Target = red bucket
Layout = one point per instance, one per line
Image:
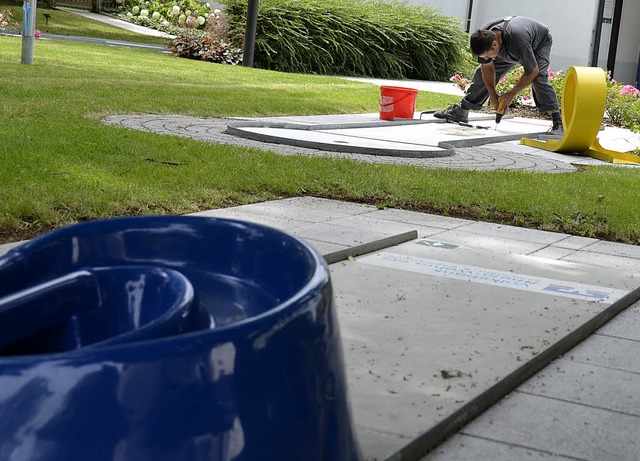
(397, 102)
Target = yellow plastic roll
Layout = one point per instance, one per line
(584, 96)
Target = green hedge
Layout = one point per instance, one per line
(364, 38)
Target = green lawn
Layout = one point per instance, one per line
(61, 165)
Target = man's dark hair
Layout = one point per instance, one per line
(481, 41)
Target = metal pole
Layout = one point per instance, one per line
(250, 33)
(469, 16)
(615, 32)
(595, 51)
(28, 30)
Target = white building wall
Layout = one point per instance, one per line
(628, 43)
(572, 24)
(458, 8)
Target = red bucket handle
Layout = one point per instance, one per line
(394, 101)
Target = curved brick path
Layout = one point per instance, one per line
(502, 156)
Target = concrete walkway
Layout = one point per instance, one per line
(498, 342)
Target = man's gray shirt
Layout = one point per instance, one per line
(521, 37)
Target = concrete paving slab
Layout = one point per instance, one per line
(421, 219)
(427, 138)
(626, 325)
(622, 263)
(469, 239)
(609, 352)
(552, 252)
(575, 242)
(616, 249)
(349, 236)
(407, 347)
(468, 158)
(596, 386)
(370, 221)
(342, 142)
(408, 327)
(521, 234)
(563, 428)
(469, 448)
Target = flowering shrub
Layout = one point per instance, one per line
(623, 104)
(629, 90)
(213, 45)
(6, 21)
(460, 82)
(193, 45)
(508, 81)
(170, 17)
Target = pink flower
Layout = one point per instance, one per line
(551, 73)
(629, 90)
(37, 33)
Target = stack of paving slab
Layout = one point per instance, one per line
(423, 136)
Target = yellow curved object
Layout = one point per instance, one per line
(584, 96)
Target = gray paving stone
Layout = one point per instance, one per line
(336, 207)
(552, 252)
(8, 246)
(380, 442)
(329, 232)
(245, 214)
(213, 130)
(595, 386)
(489, 242)
(610, 352)
(616, 249)
(519, 234)
(621, 263)
(574, 242)
(562, 428)
(421, 219)
(625, 325)
(468, 448)
(369, 221)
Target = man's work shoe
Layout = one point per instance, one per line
(454, 113)
(556, 130)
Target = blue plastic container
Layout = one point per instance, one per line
(170, 338)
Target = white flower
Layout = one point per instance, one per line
(144, 13)
(135, 10)
(207, 6)
(187, 13)
(164, 23)
(176, 10)
(217, 11)
(182, 19)
(155, 15)
(129, 15)
(201, 20)
(119, 2)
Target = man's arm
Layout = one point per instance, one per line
(489, 79)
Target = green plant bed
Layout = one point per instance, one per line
(353, 37)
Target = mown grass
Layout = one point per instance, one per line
(61, 165)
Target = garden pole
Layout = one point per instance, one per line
(250, 33)
(28, 31)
